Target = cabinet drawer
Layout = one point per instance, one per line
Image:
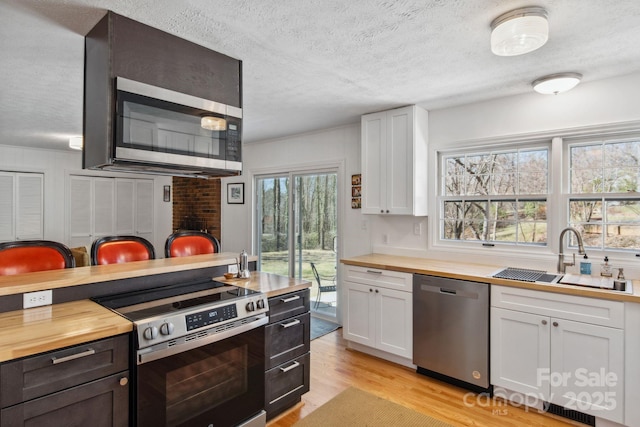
(101, 403)
(581, 309)
(287, 339)
(39, 375)
(288, 305)
(379, 277)
(285, 384)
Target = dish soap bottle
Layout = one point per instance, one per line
(605, 269)
(585, 265)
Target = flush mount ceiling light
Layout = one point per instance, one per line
(519, 31)
(556, 83)
(213, 123)
(75, 142)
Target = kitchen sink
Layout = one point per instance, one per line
(542, 277)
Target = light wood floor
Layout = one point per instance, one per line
(334, 368)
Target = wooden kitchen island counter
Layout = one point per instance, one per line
(40, 329)
(54, 279)
(269, 284)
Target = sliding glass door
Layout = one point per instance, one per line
(297, 229)
(272, 194)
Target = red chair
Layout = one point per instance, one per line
(121, 249)
(185, 243)
(33, 255)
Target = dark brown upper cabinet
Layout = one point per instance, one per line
(120, 50)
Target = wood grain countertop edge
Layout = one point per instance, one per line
(451, 269)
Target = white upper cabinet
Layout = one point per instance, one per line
(394, 162)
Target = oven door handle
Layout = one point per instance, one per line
(293, 298)
(162, 350)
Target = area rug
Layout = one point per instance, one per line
(320, 327)
(354, 407)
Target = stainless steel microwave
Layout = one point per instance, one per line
(161, 131)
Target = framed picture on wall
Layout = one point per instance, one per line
(235, 193)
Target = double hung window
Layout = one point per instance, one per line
(495, 196)
(604, 203)
(506, 196)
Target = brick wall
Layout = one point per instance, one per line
(196, 204)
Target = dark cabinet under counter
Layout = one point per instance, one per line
(87, 384)
(287, 351)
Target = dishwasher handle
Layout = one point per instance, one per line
(449, 292)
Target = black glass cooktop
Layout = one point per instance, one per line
(138, 305)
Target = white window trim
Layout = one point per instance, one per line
(558, 190)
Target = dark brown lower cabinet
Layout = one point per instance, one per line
(83, 385)
(101, 403)
(287, 356)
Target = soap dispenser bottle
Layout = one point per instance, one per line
(605, 269)
(585, 265)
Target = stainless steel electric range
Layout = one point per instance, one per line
(198, 354)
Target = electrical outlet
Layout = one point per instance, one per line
(36, 299)
(417, 228)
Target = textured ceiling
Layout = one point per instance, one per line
(310, 64)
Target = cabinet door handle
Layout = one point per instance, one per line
(387, 210)
(544, 322)
(555, 323)
(381, 211)
(124, 381)
(370, 290)
(293, 298)
(374, 272)
(294, 365)
(85, 353)
(290, 324)
(376, 291)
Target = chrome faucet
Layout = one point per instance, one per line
(561, 263)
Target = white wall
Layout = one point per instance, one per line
(56, 165)
(337, 147)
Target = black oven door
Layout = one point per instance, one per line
(215, 385)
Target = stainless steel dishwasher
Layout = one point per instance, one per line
(451, 330)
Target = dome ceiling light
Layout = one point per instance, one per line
(554, 84)
(519, 31)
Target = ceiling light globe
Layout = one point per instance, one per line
(556, 83)
(519, 31)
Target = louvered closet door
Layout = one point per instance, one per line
(7, 204)
(144, 209)
(80, 212)
(104, 207)
(125, 203)
(29, 206)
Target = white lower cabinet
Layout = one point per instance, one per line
(377, 313)
(562, 349)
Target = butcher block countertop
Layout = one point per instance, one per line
(41, 329)
(54, 279)
(480, 273)
(268, 283)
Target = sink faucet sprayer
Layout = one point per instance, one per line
(561, 264)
